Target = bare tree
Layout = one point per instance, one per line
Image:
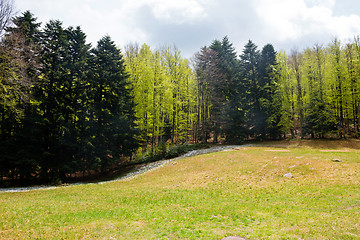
(6, 13)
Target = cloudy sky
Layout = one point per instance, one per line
(192, 24)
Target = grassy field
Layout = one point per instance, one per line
(236, 192)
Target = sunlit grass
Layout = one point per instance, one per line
(239, 192)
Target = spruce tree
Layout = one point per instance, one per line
(20, 69)
(112, 132)
(267, 89)
(228, 89)
(249, 88)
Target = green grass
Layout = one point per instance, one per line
(241, 192)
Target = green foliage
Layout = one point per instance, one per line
(164, 94)
(74, 108)
(167, 152)
(218, 92)
(280, 119)
(17, 77)
(111, 105)
(77, 112)
(316, 92)
(209, 99)
(268, 95)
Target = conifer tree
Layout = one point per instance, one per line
(112, 130)
(267, 63)
(250, 90)
(20, 68)
(231, 117)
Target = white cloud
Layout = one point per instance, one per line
(282, 17)
(323, 3)
(191, 24)
(292, 20)
(120, 19)
(178, 11)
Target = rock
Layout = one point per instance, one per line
(288, 175)
(234, 238)
(336, 160)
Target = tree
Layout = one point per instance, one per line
(112, 108)
(147, 78)
(20, 68)
(267, 89)
(6, 13)
(163, 92)
(295, 63)
(61, 101)
(319, 119)
(338, 85)
(250, 89)
(210, 99)
(52, 97)
(74, 101)
(179, 76)
(352, 52)
(231, 118)
(281, 118)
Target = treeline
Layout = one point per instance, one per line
(235, 94)
(164, 90)
(318, 91)
(67, 107)
(269, 95)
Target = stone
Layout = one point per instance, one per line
(288, 175)
(336, 160)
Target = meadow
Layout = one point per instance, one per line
(278, 190)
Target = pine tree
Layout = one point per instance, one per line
(19, 54)
(231, 117)
(267, 88)
(210, 98)
(75, 100)
(112, 109)
(250, 90)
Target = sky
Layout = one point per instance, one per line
(193, 24)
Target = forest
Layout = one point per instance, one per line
(68, 107)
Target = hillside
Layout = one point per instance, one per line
(292, 190)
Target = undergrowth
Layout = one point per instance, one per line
(166, 152)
